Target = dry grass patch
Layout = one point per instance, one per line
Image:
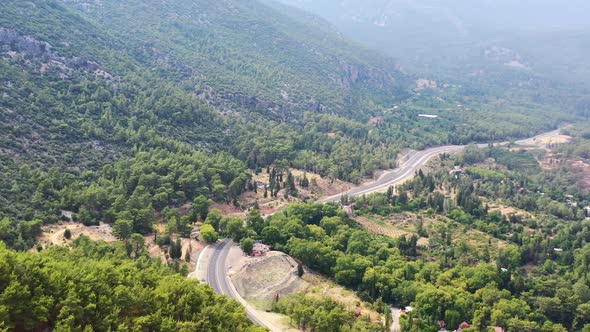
(320, 287)
(554, 140)
(383, 229)
(54, 234)
(319, 187)
(509, 210)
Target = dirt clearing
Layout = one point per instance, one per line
(509, 210)
(318, 187)
(555, 140)
(260, 279)
(387, 230)
(54, 234)
(583, 168)
(321, 287)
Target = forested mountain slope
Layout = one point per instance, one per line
(73, 101)
(251, 54)
(115, 110)
(143, 113)
(99, 287)
(466, 40)
(76, 97)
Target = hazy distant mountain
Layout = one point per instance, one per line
(434, 36)
(459, 14)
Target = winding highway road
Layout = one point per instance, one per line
(216, 275)
(414, 161)
(406, 170)
(218, 279)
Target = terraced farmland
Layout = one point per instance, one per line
(376, 228)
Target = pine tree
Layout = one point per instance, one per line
(175, 250)
(304, 181)
(390, 192)
(273, 175)
(290, 188)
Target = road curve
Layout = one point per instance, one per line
(218, 280)
(414, 162)
(395, 176)
(217, 276)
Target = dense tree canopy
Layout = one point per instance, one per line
(98, 287)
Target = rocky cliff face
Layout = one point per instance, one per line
(232, 102)
(33, 52)
(10, 40)
(379, 78)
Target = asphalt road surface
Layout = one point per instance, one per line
(405, 171)
(414, 162)
(216, 270)
(217, 275)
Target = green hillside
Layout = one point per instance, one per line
(92, 90)
(247, 52)
(100, 287)
(151, 123)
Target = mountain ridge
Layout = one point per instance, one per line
(441, 38)
(306, 66)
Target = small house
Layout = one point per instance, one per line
(463, 326)
(260, 184)
(457, 171)
(259, 249)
